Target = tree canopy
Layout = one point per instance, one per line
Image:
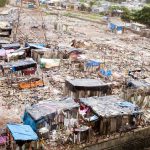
(3, 3)
(143, 15)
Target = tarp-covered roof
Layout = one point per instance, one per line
(138, 84)
(4, 52)
(92, 63)
(87, 84)
(11, 46)
(20, 64)
(37, 46)
(72, 49)
(108, 106)
(45, 108)
(4, 24)
(22, 132)
(42, 50)
(4, 42)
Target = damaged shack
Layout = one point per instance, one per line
(51, 114)
(37, 54)
(5, 29)
(138, 91)
(21, 65)
(10, 46)
(57, 121)
(109, 114)
(16, 55)
(93, 65)
(78, 88)
(20, 136)
(78, 120)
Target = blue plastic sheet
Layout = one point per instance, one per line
(93, 118)
(38, 46)
(22, 132)
(129, 105)
(27, 120)
(119, 28)
(107, 73)
(125, 104)
(112, 26)
(92, 63)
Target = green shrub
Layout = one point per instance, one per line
(3, 3)
(143, 15)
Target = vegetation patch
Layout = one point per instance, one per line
(3, 3)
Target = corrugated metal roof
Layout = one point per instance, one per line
(86, 82)
(45, 108)
(108, 106)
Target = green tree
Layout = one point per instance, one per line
(83, 7)
(148, 1)
(143, 15)
(127, 14)
(3, 3)
(92, 3)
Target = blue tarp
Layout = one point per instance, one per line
(42, 1)
(119, 28)
(22, 132)
(37, 46)
(128, 105)
(107, 73)
(27, 120)
(22, 64)
(112, 26)
(92, 63)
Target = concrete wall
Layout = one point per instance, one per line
(138, 140)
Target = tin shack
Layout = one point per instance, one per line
(109, 114)
(86, 87)
(51, 114)
(5, 29)
(138, 92)
(18, 66)
(20, 136)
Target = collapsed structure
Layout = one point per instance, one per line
(113, 113)
(138, 92)
(20, 65)
(5, 29)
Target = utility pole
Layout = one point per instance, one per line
(43, 25)
(18, 20)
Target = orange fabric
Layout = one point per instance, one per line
(27, 85)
